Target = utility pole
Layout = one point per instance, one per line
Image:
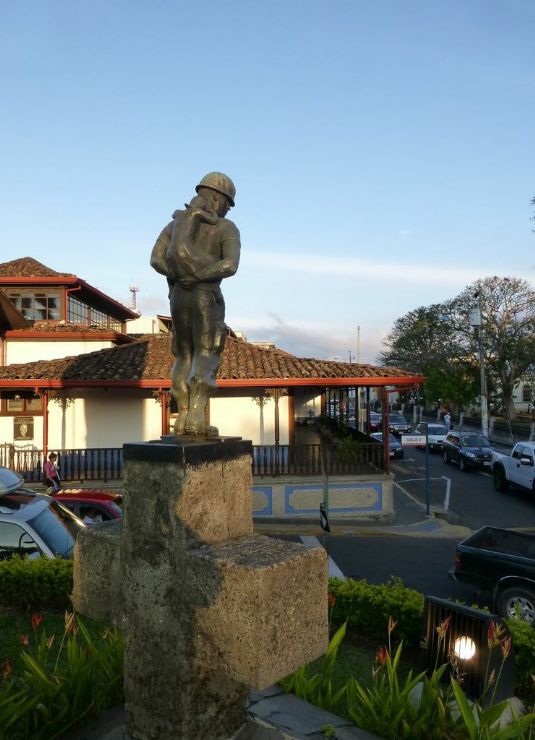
(358, 344)
(476, 320)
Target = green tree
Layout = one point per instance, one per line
(508, 323)
(425, 341)
(439, 342)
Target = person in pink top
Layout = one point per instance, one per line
(50, 473)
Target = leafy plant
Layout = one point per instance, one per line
(415, 707)
(60, 688)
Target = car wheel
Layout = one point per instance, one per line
(500, 481)
(462, 465)
(517, 601)
(445, 457)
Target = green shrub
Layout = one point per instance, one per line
(523, 636)
(35, 584)
(367, 607)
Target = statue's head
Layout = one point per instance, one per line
(219, 183)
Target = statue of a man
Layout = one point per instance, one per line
(195, 252)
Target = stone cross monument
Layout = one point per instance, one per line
(208, 608)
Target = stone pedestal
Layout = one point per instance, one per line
(208, 609)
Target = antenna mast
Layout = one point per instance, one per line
(134, 290)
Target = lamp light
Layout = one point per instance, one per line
(464, 648)
(465, 638)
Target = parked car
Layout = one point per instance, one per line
(82, 501)
(396, 449)
(469, 449)
(399, 425)
(517, 468)
(33, 524)
(436, 434)
(376, 421)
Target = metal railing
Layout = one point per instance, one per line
(99, 463)
(106, 464)
(318, 459)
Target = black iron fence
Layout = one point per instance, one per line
(318, 459)
(99, 463)
(106, 464)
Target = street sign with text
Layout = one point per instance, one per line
(413, 440)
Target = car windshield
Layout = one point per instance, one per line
(58, 527)
(475, 440)
(436, 429)
(397, 419)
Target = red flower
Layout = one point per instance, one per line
(382, 655)
(331, 600)
(6, 669)
(36, 621)
(24, 640)
(494, 633)
(443, 627)
(505, 647)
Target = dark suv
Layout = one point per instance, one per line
(399, 425)
(469, 449)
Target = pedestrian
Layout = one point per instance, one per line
(50, 473)
(447, 421)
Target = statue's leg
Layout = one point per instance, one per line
(208, 342)
(183, 352)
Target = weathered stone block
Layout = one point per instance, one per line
(97, 578)
(210, 491)
(269, 615)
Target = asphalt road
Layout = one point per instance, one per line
(422, 562)
(469, 497)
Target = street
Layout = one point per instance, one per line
(423, 562)
(470, 497)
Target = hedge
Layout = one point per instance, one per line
(36, 584)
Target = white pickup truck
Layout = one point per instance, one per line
(517, 468)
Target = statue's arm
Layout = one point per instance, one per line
(230, 257)
(158, 258)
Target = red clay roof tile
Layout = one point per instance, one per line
(150, 359)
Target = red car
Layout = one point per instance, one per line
(97, 503)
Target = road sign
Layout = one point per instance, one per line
(413, 440)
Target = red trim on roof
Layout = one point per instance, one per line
(262, 383)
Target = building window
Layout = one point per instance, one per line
(527, 394)
(80, 313)
(77, 312)
(37, 306)
(17, 405)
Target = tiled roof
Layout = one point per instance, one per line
(150, 359)
(25, 267)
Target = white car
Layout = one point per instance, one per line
(436, 434)
(33, 525)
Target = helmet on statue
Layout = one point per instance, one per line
(220, 183)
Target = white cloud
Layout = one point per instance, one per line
(352, 268)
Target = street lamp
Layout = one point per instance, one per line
(476, 320)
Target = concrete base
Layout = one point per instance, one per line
(207, 608)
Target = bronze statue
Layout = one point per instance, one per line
(195, 251)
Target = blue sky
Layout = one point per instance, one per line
(383, 152)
